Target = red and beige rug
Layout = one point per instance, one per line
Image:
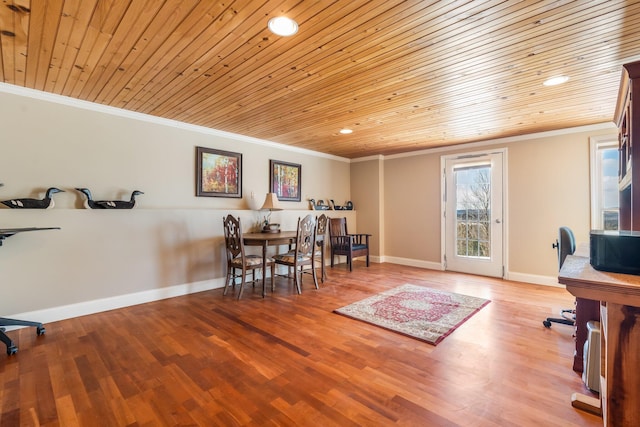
(423, 313)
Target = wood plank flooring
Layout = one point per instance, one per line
(209, 360)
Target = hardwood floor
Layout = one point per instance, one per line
(208, 360)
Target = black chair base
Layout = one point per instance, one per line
(11, 347)
(547, 323)
(561, 320)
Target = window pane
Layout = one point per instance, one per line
(473, 198)
(607, 165)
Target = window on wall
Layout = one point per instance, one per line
(604, 183)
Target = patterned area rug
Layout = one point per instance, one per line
(419, 312)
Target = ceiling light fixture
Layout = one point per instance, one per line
(557, 80)
(346, 131)
(283, 26)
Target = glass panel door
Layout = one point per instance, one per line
(473, 214)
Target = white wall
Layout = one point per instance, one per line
(169, 244)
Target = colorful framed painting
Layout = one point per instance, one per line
(285, 180)
(218, 173)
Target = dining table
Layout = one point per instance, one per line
(266, 239)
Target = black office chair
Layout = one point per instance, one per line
(11, 346)
(4, 321)
(566, 245)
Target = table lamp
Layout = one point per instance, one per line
(271, 203)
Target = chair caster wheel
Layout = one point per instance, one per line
(546, 323)
(12, 349)
(40, 330)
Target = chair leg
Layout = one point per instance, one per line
(226, 283)
(322, 274)
(273, 275)
(244, 278)
(315, 278)
(350, 262)
(263, 278)
(11, 347)
(297, 281)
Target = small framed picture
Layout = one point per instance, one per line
(285, 180)
(218, 173)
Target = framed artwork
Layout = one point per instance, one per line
(285, 180)
(218, 173)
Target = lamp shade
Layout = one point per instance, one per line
(271, 203)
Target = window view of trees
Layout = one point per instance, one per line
(473, 186)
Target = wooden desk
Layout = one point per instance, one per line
(265, 240)
(619, 296)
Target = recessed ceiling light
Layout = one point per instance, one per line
(346, 131)
(557, 80)
(283, 26)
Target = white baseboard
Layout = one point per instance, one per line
(412, 262)
(55, 314)
(516, 277)
(534, 278)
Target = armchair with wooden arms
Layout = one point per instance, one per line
(349, 245)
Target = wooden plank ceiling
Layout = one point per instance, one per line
(404, 75)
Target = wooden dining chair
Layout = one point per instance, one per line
(303, 253)
(349, 245)
(240, 264)
(322, 223)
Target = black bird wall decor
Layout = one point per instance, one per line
(27, 203)
(120, 204)
(348, 206)
(89, 203)
(319, 205)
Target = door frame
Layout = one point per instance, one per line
(505, 203)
